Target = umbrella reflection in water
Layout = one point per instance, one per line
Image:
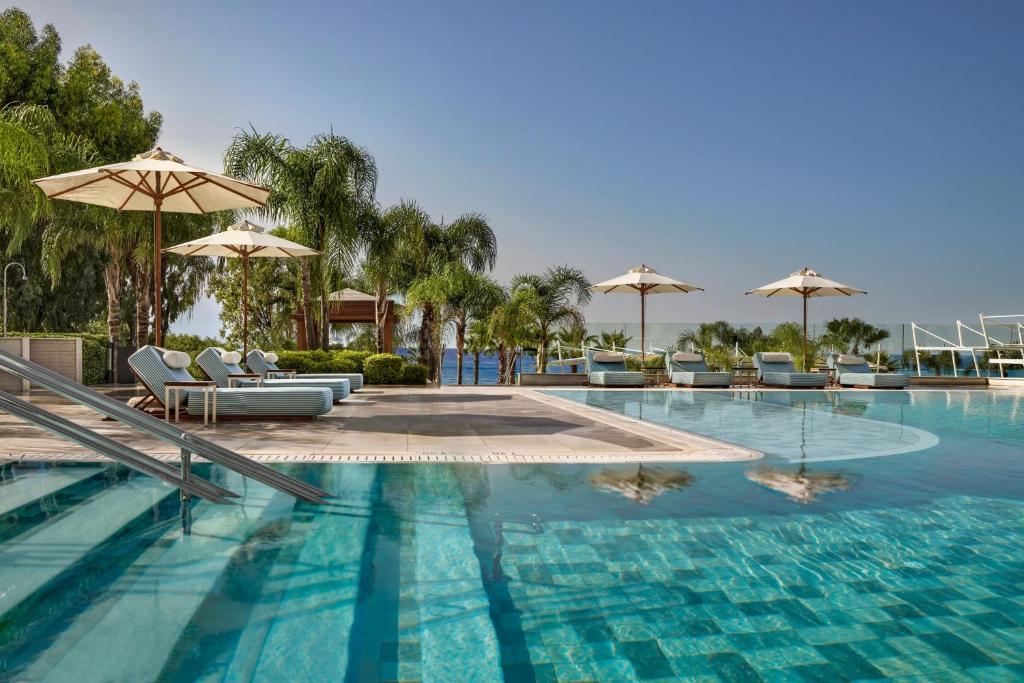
(801, 486)
(641, 486)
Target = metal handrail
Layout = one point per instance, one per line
(99, 443)
(116, 410)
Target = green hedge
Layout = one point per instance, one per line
(414, 373)
(310, 362)
(383, 368)
(94, 352)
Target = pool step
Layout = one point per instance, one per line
(29, 562)
(144, 618)
(320, 584)
(32, 484)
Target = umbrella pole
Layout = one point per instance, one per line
(157, 270)
(805, 334)
(643, 324)
(245, 304)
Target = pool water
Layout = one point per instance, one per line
(904, 561)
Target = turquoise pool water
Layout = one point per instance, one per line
(815, 563)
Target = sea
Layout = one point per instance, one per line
(488, 368)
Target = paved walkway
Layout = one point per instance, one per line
(453, 424)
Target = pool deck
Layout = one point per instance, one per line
(452, 424)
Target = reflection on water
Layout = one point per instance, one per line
(800, 486)
(642, 486)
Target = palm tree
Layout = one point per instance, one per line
(614, 340)
(473, 298)
(321, 189)
(849, 334)
(561, 292)
(478, 341)
(390, 240)
(576, 338)
(469, 242)
(511, 325)
(789, 337)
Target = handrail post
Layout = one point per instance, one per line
(186, 498)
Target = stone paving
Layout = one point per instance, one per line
(453, 424)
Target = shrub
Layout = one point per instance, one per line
(383, 368)
(415, 373)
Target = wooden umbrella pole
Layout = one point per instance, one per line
(643, 325)
(157, 267)
(805, 369)
(245, 304)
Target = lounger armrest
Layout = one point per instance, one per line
(195, 383)
(290, 371)
(244, 375)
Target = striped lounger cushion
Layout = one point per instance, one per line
(617, 379)
(354, 379)
(339, 387)
(212, 362)
(279, 402)
(264, 364)
(702, 379)
(794, 379)
(871, 379)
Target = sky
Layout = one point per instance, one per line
(724, 144)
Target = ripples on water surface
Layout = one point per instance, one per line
(818, 562)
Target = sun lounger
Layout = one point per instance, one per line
(690, 370)
(222, 367)
(265, 364)
(608, 369)
(777, 370)
(156, 368)
(854, 371)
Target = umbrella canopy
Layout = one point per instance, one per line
(243, 240)
(805, 283)
(155, 181)
(641, 486)
(644, 281)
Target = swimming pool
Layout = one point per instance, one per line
(797, 567)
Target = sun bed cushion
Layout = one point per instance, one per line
(689, 369)
(618, 378)
(854, 371)
(212, 363)
(782, 372)
(261, 364)
(176, 359)
(149, 365)
(702, 379)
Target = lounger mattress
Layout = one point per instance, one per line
(871, 379)
(279, 402)
(794, 379)
(702, 379)
(617, 379)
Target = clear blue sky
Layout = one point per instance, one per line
(726, 144)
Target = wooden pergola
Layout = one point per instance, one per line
(350, 306)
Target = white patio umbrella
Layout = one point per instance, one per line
(805, 283)
(154, 181)
(243, 240)
(644, 281)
